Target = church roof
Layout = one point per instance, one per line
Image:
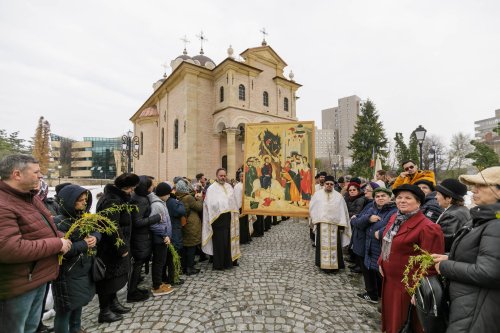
(149, 112)
(202, 59)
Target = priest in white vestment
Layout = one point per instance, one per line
(329, 215)
(221, 226)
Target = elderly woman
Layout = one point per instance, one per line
(473, 265)
(406, 228)
(375, 220)
(450, 196)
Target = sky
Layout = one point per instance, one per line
(87, 66)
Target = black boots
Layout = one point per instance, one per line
(116, 307)
(108, 316)
(192, 271)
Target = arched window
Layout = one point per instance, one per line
(224, 162)
(241, 92)
(162, 140)
(285, 104)
(221, 94)
(265, 98)
(142, 143)
(176, 133)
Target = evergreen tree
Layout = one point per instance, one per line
(369, 136)
(414, 150)
(11, 144)
(41, 144)
(483, 156)
(401, 150)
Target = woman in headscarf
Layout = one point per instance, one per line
(407, 228)
(74, 287)
(473, 265)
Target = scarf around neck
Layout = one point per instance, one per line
(387, 241)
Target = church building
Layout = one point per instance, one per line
(194, 121)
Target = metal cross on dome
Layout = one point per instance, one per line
(264, 34)
(186, 42)
(202, 38)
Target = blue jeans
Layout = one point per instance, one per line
(22, 313)
(68, 322)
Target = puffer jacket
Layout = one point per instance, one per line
(191, 232)
(29, 243)
(141, 241)
(452, 220)
(473, 270)
(431, 208)
(359, 225)
(355, 205)
(74, 286)
(164, 228)
(176, 210)
(373, 246)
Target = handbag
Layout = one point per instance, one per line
(98, 269)
(432, 303)
(407, 326)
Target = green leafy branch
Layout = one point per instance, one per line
(420, 265)
(176, 259)
(100, 222)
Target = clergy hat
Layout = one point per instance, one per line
(329, 178)
(127, 180)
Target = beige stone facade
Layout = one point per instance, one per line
(194, 120)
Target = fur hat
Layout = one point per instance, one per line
(452, 188)
(425, 182)
(489, 176)
(419, 194)
(382, 189)
(127, 180)
(162, 189)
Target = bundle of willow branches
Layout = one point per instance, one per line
(100, 222)
(420, 264)
(177, 263)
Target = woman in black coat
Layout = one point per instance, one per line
(141, 243)
(450, 196)
(116, 258)
(74, 287)
(473, 265)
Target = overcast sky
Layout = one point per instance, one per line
(87, 66)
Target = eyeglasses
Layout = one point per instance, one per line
(353, 190)
(331, 184)
(409, 167)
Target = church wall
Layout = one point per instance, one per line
(145, 165)
(167, 140)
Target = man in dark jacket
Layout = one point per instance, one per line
(29, 245)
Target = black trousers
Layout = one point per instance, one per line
(159, 260)
(258, 226)
(167, 273)
(267, 223)
(221, 241)
(188, 256)
(244, 230)
(135, 275)
(105, 300)
(372, 278)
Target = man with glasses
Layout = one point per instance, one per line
(411, 174)
(329, 215)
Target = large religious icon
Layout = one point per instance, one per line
(278, 168)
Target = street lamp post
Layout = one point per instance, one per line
(335, 166)
(130, 148)
(59, 167)
(420, 134)
(433, 151)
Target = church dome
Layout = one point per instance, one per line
(204, 61)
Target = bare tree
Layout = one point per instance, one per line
(41, 144)
(460, 146)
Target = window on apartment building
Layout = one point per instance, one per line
(265, 98)
(221, 94)
(285, 104)
(176, 133)
(241, 92)
(162, 140)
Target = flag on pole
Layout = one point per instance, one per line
(372, 161)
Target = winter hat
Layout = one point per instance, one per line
(425, 182)
(355, 180)
(127, 180)
(181, 186)
(452, 188)
(382, 189)
(59, 187)
(162, 189)
(410, 188)
(176, 179)
(489, 176)
(374, 185)
(341, 180)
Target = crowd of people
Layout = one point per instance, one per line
(373, 224)
(378, 223)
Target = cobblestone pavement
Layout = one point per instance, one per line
(276, 288)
